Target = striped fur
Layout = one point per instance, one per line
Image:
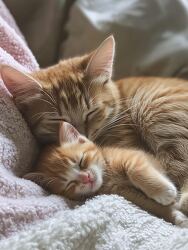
(147, 113)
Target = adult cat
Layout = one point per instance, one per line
(145, 113)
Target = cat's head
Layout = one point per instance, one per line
(74, 169)
(78, 90)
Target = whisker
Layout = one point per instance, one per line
(51, 104)
(44, 113)
(49, 96)
(50, 181)
(112, 123)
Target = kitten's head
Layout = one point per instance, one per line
(74, 169)
(77, 90)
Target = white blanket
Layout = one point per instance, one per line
(151, 36)
(103, 223)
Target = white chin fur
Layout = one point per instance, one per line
(87, 189)
(97, 172)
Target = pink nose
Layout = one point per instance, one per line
(85, 178)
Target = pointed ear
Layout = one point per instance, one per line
(18, 82)
(101, 63)
(69, 134)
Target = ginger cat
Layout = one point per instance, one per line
(146, 113)
(78, 169)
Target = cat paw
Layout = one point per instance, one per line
(168, 196)
(183, 203)
(180, 219)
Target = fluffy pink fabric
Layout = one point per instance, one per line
(21, 202)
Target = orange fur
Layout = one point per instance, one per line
(145, 113)
(131, 173)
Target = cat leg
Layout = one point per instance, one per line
(169, 213)
(144, 174)
(183, 201)
(179, 218)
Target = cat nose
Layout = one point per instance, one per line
(85, 178)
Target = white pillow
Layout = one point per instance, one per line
(151, 36)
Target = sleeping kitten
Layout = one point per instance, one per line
(78, 169)
(146, 113)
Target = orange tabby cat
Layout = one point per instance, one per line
(79, 169)
(145, 113)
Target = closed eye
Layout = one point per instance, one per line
(81, 161)
(88, 116)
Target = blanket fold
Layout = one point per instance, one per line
(102, 223)
(48, 221)
(21, 201)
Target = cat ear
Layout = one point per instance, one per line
(17, 81)
(101, 63)
(69, 134)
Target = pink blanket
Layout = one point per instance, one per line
(21, 201)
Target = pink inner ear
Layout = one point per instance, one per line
(81, 140)
(101, 63)
(17, 81)
(73, 132)
(68, 133)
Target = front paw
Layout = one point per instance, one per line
(180, 219)
(167, 196)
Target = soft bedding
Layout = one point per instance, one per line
(151, 36)
(21, 201)
(104, 222)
